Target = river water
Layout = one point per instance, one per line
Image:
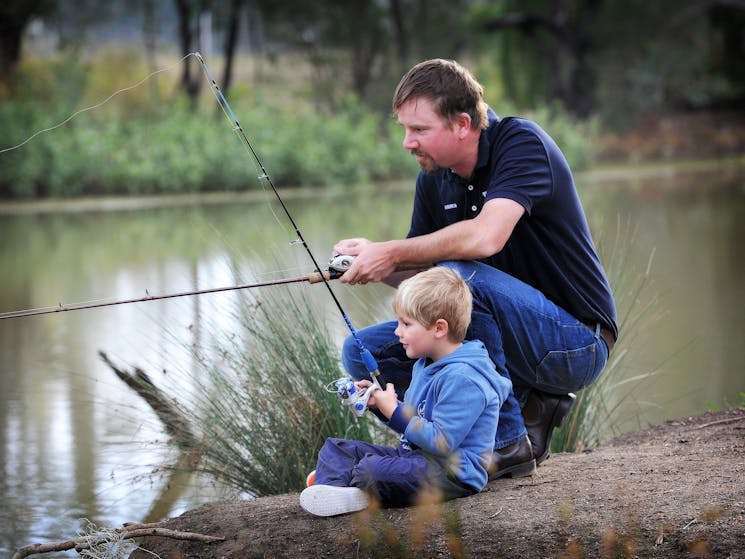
(76, 444)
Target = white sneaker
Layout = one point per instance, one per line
(327, 500)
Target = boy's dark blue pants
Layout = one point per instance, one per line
(395, 476)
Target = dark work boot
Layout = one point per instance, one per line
(543, 412)
(515, 460)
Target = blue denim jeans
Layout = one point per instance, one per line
(532, 341)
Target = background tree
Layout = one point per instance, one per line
(610, 58)
(15, 15)
(560, 33)
(188, 28)
(617, 58)
(231, 41)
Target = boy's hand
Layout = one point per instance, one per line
(385, 400)
(360, 384)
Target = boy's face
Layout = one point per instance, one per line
(417, 340)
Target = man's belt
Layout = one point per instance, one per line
(605, 334)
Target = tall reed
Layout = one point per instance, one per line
(602, 409)
(263, 409)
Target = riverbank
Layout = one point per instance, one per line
(674, 490)
(656, 148)
(660, 175)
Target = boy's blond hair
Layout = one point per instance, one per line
(433, 294)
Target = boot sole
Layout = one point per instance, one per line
(518, 470)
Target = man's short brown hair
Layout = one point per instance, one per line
(451, 88)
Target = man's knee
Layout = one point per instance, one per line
(352, 360)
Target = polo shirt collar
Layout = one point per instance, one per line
(483, 157)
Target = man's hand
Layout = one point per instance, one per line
(350, 247)
(372, 261)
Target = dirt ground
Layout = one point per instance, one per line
(674, 490)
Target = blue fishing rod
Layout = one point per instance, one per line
(370, 363)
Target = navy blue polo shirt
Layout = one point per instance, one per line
(551, 247)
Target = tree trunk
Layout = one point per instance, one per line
(189, 83)
(399, 33)
(10, 46)
(364, 50)
(231, 41)
(582, 80)
(14, 17)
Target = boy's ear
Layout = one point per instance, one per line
(441, 328)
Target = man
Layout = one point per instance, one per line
(495, 199)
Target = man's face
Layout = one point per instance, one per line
(429, 137)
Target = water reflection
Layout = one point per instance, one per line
(76, 443)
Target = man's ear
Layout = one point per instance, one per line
(462, 124)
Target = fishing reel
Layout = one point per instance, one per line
(340, 263)
(352, 397)
(337, 266)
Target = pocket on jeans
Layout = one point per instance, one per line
(567, 371)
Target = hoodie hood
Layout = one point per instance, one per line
(471, 354)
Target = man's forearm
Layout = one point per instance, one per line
(458, 241)
(470, 239)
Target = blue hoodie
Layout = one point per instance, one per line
(451, 410)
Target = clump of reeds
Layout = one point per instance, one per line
(263, 410)
(597, 413)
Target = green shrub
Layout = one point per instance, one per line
(151, 140)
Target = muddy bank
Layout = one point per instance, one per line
(674, 490)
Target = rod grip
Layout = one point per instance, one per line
(316, 277)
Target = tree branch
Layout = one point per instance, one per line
(173, 420)
(128, 531)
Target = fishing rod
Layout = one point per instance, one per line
(316, 277)
(367, 357)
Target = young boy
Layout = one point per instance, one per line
(448, 418)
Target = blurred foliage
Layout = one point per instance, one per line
(314, 96)
(150, 140)
(628, 57)
(608, 57)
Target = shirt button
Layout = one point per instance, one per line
(470, 187)
(474, 208)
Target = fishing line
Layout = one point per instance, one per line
(230, 115)
(97, 105)
(315, 277)
(367, 357)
